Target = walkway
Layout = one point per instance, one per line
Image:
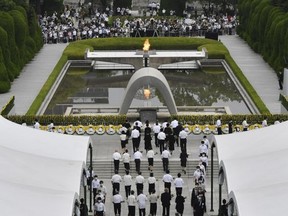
(33, 76)
(261, 76)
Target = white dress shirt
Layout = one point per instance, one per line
(151, 180)
(131, 200)
(117, 198)
(156, 128)
(116, 156)
(161, 135)
(135, 133)
(141, 199)
(167, 178)
(126, 157)
(150, 154)
(127, 180)
(137, 155)
(183, 134)
(139, 179)
(178, 182)
(116, 178)
(165, 154)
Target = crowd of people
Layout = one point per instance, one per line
(84, 22)
(167, 136)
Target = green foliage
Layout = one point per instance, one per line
(263, 24)
(177, 6)
(8, 107)
(47, 86)
(51, 6)
(4, 79)
(20, 38)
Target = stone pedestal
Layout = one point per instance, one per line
(149, 114)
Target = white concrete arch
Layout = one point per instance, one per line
(148, 76)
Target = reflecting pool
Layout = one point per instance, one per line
(107, 88)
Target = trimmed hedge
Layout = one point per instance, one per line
(20, 39)
(8, 107)
(120, 119)
(265, 28)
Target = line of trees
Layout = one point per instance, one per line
(264, 25)
(20, 39)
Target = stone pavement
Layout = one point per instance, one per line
(261, 76)
(26, 87)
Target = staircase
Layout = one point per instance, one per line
(105, 168)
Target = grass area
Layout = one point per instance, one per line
(216, 50)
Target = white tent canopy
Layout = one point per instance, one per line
(254, 164)
(40, 172)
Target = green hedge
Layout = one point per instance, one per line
(119, 119)
(8, 107)
(265, 28)
(20, 39)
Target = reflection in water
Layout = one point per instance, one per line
(107, 87)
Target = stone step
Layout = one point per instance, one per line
(105, 169)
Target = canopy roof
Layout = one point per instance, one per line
(40, 172)
(254, 165)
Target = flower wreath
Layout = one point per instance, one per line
(238, 128)
(207, 129)
(214, 129)
(196, 129)
(60, 129)
(255, 126)
(118, 129)
(187, 128)
(80, 130)
(225, 129)
(100, 129)
(90, 130)
(70, 129)
(110, 129)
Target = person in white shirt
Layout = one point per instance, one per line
(103, 189)
(135, 134)
(139, 181)
(178, 183)
(141, 200)
(126, 160)
(131, 201)
(197, 174)
(167, 179)
(151, 183)
(174, 123)
(245, 125)
(95, 186)
(204, 160)
(203, 148)
(123, 140)
(161, 139)
(127, 179)
(219, 125)
(116, 158)
(115, 180)
(153, 203)
(137, 159)
(183, 140)
(117, 200)
(51, 127)
(150, 156)
(36, 124)
(164, 124)
(139, 123)
(264, 122)
(165, 159)
(206, 141)
(156, 130)
(99, 208)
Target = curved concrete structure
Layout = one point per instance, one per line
(148, 76)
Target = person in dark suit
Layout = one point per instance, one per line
(180, 204)
(165, 199)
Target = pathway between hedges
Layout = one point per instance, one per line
(261, 76)
(33, 76)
